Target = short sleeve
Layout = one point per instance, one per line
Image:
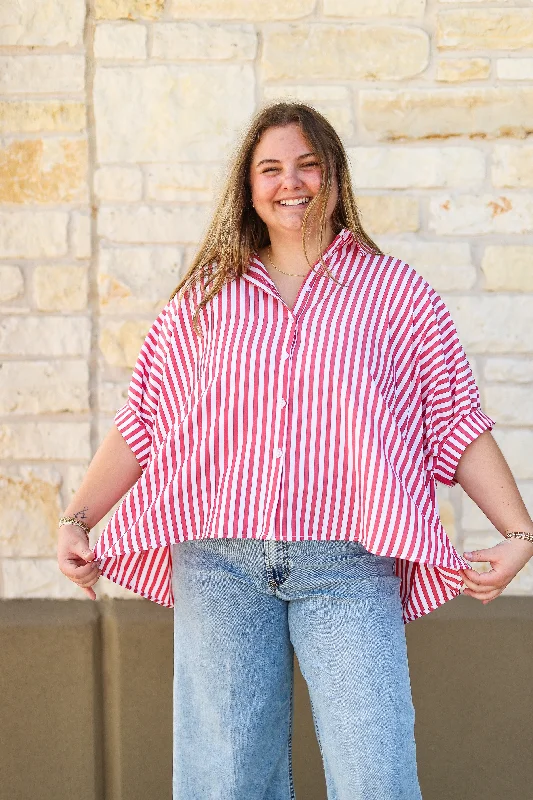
(135, 420)
(452, 415)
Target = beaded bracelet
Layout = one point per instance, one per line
(519, 535)
(74, 521)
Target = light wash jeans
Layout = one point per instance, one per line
(242, 607)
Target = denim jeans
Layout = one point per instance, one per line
(242, 607)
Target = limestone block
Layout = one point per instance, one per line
(80, 235)
(344, 52)
(170, 129)
(129, 9)
(137, 279)
(193, 41)
(509, 370)
(485, 29)
(29, 510)
(416, 167)
(514, 69)
(33, 234)
(446, 267)
(44, 336)
(463, 69)
(120, 342)
(73, 475)
(274, 10)
(156, 225)
(440, 113)
(389, 213)
(493, 323)
(42, 23)
(472, 517)
(374, 8)
(512, 165)
(111, 397)
(181, 182)
(508, 268)
(37, 577)
(333, 102)
(478, 214)
(447, 512)
(47, 116)
(517, 446)
(11, 283)
(60, 288)
(118, 184)
(119, 41)
(59, 441)
(509, 405)
(57, 74)
(44, 387)
(43, 171)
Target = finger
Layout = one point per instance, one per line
(481, 578)
(86, 578)
(491, 599)
(90, 593)
(78, 572)
(88, 581)
(483, 595)
(480, 555)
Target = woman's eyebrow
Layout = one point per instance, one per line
(277, 161)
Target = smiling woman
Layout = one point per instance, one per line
(289, 415)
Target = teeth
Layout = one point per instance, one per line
(298, 202)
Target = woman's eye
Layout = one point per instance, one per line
(311, 164)
(270, 169)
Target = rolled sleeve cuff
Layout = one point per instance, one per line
(134, 433)
(452, 447)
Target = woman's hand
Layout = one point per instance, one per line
(75, 558)
(506, 559)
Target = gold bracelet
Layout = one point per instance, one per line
(74, 521)
(519, 535)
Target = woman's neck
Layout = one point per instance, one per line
(287, 250)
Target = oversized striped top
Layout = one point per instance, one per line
(332, 420)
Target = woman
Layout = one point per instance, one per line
(288, 416)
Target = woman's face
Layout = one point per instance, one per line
(285, 175)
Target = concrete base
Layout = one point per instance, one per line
(86, 702)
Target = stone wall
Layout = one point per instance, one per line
(116, 120)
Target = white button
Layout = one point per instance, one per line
(283, 403)
(279, 453)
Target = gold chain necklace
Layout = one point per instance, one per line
(292, 274)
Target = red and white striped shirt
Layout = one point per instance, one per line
(332, 420)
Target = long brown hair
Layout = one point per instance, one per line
(236, 232)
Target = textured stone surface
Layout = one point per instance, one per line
(37, 577)
(44, 73)
(180, 182)
(33, 234)
(191, 41)
(389, 213)
(44, 23)
(493, 324)
(447, 267)
(26, 116)
(485, 29)
(127, 279)
(274, 10)
(508, 268)
(374, 8)
(478, 214)
(440, 113)
(118, 184)
(334, 102)
(44, 387)
(129, 9)
(517, 446)
(11, 283)
(170, 128)
(80, 235)
(44, 336)
(463, 69)
(60, 288)
(43, 171)
(514, 69)
(29, 510)
(120, 342)
(111, 397)
(118, 41)
(60, 441)
(344, 52)
(510, 405)
(153, 224)
(417, 167)
(512, 165)
(513, 370)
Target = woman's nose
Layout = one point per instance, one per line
(291, 179)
